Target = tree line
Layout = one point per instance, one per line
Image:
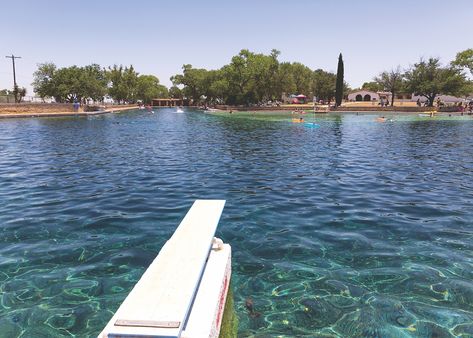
(252, 78)
(427, 78)
(92, 82)
(256, 78)
(249, 78)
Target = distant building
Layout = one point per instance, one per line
(368, 96)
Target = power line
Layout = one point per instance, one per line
(15, 87)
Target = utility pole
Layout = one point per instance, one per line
(15, 87)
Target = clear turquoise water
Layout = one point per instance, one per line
(353, 229)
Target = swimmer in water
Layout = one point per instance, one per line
(381, 119)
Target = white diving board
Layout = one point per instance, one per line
(159, 304)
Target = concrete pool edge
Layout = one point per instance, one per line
(110, 110)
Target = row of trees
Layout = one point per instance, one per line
(427, 78)
(248, 79)
(18, 93)
(253, 78)
(92, 82)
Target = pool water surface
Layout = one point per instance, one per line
(351, 229)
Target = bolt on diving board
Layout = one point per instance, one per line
(191, 271)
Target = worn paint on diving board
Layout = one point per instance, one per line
(159, 304)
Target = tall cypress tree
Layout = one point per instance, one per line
(339, 84)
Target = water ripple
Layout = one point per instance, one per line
(353, 229)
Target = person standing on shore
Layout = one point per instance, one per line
(75, 106)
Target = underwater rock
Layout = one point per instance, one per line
(464, 330)
(251, 268)
(342, 302)
(9, 328)
(61, 321)
(41, 331)
(289, 289)
(317, 313)
(250, 306)
(338, 286)
(442, 316)
(429, 329)
(136, 257)
(460, 292)
(391, 311)
(364, 323)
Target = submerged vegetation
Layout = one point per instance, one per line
(229, 326)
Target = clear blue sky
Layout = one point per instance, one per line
(158, 37)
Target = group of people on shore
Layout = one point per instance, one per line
(465, 108)
(384, 103)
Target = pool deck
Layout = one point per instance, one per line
(108, 110)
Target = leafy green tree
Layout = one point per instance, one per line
(193, 80)
(340, 82)
(372, 86)
(237, 73)
(465, 59)
(302, 78)
(272, 87)
(263, 71)
(252, 78)
(43, 80)
(116, 87)
(429, 79)
(93, 81)
(391, 81)
(75, 83)
(219, 90)
(68, 85)
(148, 88)
(214, 87)
(130, 83)
(123, 82)
(19, 93)
(324, 85)
(285, 82)
(175, 92)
